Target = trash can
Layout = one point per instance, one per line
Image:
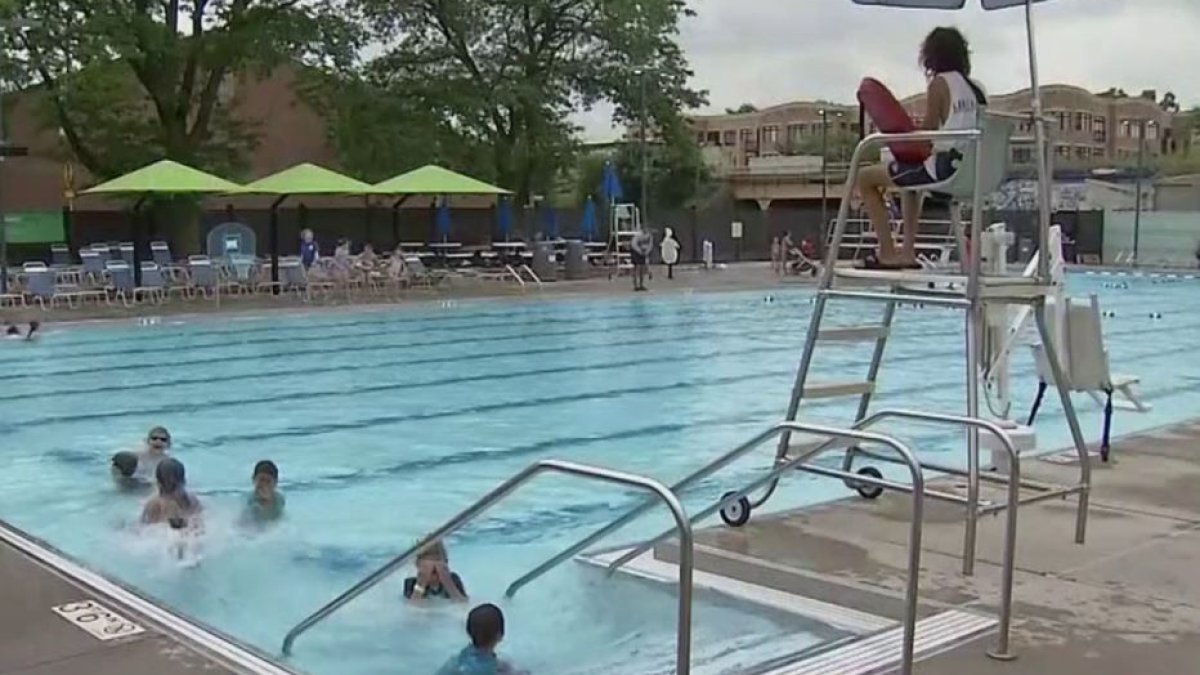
(545, 265)
(576, 263)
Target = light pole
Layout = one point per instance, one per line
(640, 73)
(824, 161)
(1137, 199)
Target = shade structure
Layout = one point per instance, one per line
(587, 225)
(504, 217)
(1039, 123)
(944, 4)
(436, 180)
(164, 177)
(302, 179)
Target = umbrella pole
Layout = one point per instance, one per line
(137, 242)
(273, 235)
(396, 218)
(1044, 177)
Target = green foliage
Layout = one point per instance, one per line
(506, 75)
(132, 80)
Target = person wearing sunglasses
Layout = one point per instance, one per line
(158, 442)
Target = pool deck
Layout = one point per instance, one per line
(35, 640)
(1127, 601)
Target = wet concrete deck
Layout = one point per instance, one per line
(34, 640)
(1127, 601)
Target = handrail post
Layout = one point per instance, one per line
(682, 525)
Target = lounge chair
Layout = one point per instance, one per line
(203, 276)
(93, 265)
(60, 255)
(40, 286)
(293, 277)
(124, 252)
(419, 275)
(160, 252)
(154, 284)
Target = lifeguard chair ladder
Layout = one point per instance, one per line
(980, 173)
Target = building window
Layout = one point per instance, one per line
(1082, 153)
(1097, 153)
(795, 132)
(770, 135)
(1126, 129)
(1100, 129)
(729, 138)
(1062, 151)
(1152, 130)
(747, 136)
(1063, 120)
(700, 137)
(714, 137)
(1080, 124)
(1022, 155)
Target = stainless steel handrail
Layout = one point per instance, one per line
(917, 488)
(682, 525)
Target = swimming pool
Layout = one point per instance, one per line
(384, 423)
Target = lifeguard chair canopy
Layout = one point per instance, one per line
(944, 4)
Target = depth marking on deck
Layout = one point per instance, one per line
(97, 620)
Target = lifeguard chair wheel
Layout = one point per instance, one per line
(865, 490)
(736, 514)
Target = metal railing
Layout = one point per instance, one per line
(916, 488)
(663, 494)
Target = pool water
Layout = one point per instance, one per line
(386, 422)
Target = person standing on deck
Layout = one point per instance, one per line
(669, 250)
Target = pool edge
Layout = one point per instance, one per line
(213, 645)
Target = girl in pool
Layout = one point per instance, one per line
(953, 102)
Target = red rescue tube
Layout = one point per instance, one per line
(891, 118)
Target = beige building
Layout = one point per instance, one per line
(1089, 130)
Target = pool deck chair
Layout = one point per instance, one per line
(202, 276)
(419, 275)
(93, 264)
(1086, 358)
(161, 253)
(60, 255)
(824, 363)
(41, 287)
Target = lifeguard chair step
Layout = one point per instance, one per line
(852, 333)
(834, 389)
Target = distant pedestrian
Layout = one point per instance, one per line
(669, 249)
(309, 252)
(639, 255)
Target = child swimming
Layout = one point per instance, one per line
(266, 502)
(123, 468)
(158, 442)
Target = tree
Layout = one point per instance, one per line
(743, 108)
(128, 81)
(507, 74)
(677, 172)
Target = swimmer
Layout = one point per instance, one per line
(485, 625)
(11, 332)
(266, 502)
(124, 469)
(434, 578)
(158, 442)
(173, 504)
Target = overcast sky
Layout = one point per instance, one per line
(772, 51)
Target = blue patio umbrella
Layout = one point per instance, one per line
(504, 217)
(442, 221)
(550, 218)
(610, 184)
(587, 226)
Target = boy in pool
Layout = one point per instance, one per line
(434, 578)
(266, 502)
(485, 625)
(124, 471)
(173, 504)
(158, 442)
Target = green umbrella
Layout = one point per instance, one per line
(302, 179)
(161, 177)
(431, 180)
(165, 177)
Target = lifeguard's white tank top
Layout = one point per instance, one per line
(965, 109)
